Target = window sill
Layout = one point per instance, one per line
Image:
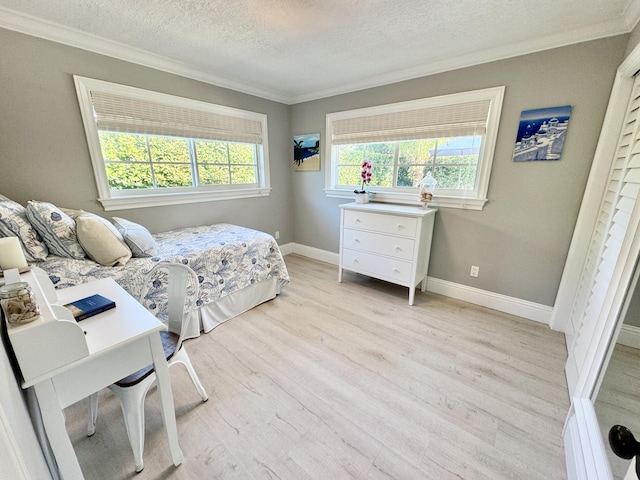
(412, 199)
(124, 202)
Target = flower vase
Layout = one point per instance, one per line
(362, 197)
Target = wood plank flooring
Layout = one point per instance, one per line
(347, 381)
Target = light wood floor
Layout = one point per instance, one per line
(336, 381)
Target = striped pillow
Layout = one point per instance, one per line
(57, 229)
(14, 223)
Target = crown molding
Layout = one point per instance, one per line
(37, 27)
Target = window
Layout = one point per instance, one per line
(451, 137)
(151, 149)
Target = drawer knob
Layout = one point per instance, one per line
(357, 220)
(395, 270)
(398, 249)
(356, 240)
(400, 226)
(355, 261)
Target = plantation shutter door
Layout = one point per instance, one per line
(615, 210)
(128, 114)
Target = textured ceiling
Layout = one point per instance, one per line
(295, 50)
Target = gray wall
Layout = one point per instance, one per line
(519, 241)
(43, 149)
(634, 39)
(521, 238)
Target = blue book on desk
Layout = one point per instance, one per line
(90, 306)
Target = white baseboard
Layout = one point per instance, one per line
(629, 336)
(315, 253)
(287, 248)
(515, 306)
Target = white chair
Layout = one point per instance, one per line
(170, 292)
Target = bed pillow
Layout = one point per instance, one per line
(14, 223)
(73, 213)
(56, 228)
(138, 238)
(101, 240)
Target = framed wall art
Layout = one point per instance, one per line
(306, 152)
(541, 134)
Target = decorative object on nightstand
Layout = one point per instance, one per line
(19, 303)
(427, 184)
(362, 196)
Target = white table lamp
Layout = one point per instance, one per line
(11, 254)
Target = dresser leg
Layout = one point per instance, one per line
(339, 274)
(412, 295)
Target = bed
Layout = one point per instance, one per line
(237, 267)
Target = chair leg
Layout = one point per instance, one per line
(93, 414)
(181, 356)
(132, 404)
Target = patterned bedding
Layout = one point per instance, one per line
(226, 258)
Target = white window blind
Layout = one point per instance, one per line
(462, 119)
(122, 113)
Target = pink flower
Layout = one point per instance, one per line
(365, 172)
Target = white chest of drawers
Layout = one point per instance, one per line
(389, 242)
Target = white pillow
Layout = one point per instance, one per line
(101, 240)
(14, 223)
(57, 229)
(138, 238)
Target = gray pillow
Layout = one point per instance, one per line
(56, 228)
(137, 238)
(14, 223)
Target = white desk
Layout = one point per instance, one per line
(67, 361)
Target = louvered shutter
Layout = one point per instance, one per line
(615, 211)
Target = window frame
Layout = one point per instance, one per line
(126, 199)
(474, 200)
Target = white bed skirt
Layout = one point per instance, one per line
(232, 305)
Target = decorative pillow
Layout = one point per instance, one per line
(56, 227)
(14, 223)
(72, 212)
(101, 240)
(138, 238)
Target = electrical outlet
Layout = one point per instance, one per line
(277, 234)
(474, 271)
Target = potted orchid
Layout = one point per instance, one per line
(362, 196)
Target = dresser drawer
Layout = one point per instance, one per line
(390, 269)
(398, 247)
(378, 222)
